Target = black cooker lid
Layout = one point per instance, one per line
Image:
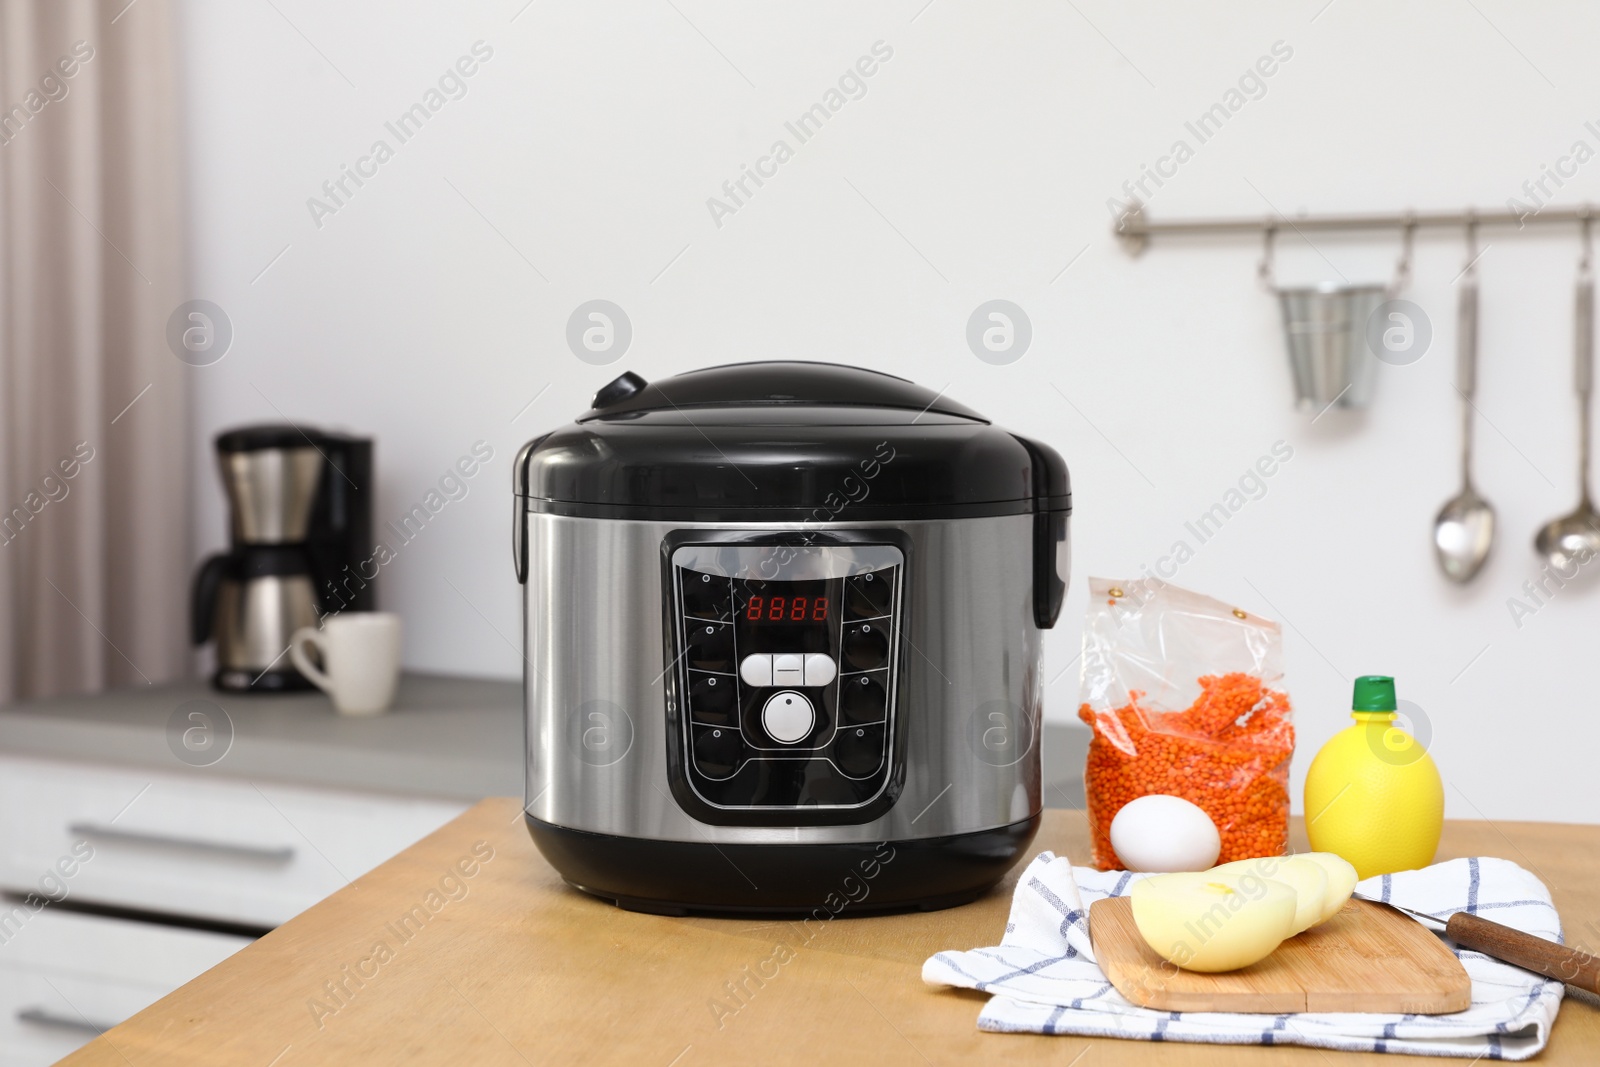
(776, 384)
(786, 441)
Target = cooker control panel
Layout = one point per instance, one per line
(785, 668)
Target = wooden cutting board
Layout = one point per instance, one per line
(1366, 958)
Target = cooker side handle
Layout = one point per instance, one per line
(1052, 505)
(1050, 555)
(519, 508)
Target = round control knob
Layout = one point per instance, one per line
(788, 717)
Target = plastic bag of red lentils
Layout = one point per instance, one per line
(1184, 696)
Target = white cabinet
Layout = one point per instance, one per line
(200, 846)
(65, 976)
(101, 868)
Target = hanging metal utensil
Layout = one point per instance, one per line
(1325, 330)
(1573, 540)
(1463, 531)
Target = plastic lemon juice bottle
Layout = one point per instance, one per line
(1373, 794)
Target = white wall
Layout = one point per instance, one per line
(991, 141)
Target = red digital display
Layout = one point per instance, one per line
(786, 609)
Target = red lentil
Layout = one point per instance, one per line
(1228, 753)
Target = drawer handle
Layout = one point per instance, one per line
(45, 1017)
(279, 854)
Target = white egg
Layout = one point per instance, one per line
(1165, 833)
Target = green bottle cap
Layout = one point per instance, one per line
(1374, 692)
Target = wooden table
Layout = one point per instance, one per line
(512, 967)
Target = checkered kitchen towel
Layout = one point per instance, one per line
(1045, 980)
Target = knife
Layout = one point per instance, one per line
(1537, 954)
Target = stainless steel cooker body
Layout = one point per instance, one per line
(605, 703)
(782, 628)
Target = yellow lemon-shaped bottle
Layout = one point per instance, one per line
(1373, 794)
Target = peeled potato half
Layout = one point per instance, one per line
(1342, 880)
(1308, 880)
(1206, 921)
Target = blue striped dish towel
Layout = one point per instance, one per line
(1045, 980)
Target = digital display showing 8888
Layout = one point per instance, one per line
(792, 616)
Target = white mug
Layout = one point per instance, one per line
(360, 654)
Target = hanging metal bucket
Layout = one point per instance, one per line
(1325, 329)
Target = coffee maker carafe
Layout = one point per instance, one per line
(300, 514)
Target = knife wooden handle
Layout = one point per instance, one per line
(1561, 962)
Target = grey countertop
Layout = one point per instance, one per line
(445, 737)
(1066, 746)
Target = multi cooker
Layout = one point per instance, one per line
(782, 630)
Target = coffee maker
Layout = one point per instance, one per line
(300, 515)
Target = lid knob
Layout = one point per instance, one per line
(618, 390)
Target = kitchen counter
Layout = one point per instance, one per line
(445, 737)
(512, 967)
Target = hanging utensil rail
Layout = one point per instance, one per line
(1135, 229)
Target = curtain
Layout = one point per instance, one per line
(92, 397)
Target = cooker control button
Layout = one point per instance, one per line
(706, 596)
(788, 717)
(717, 752)
(712, 699)
(858, 751)
(862, 698)
(819, 669)
(788, 670)
(756, 670)
(710, 647)
(866, 645)
(868, 595)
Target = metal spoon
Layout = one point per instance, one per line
(1463, 531)
(1573, 540)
